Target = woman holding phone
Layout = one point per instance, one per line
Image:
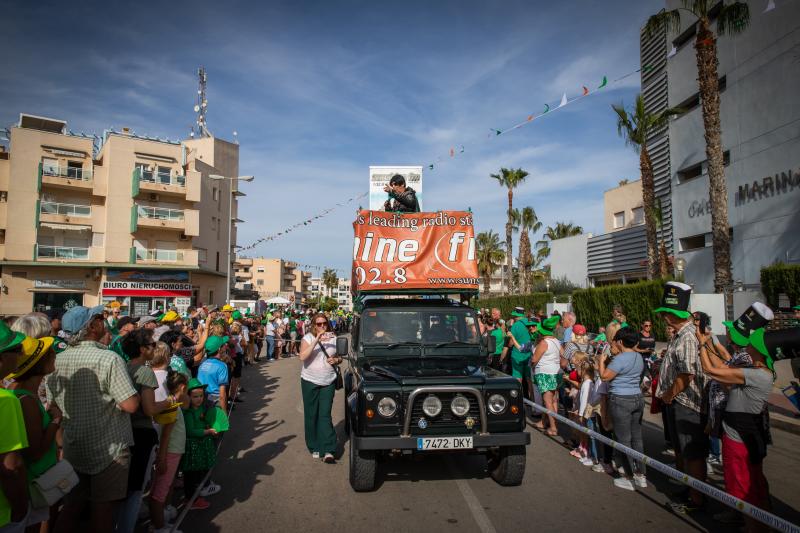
(317, 377)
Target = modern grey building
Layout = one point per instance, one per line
(759, 74)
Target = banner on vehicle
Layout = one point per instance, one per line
(379, 178)
(414, 251)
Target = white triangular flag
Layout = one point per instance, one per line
(770, 6)
(563, 100)
(672, 52)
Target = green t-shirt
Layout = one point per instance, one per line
(522, 336)
(497, 333)
(116, 347)
(50, 457)
(142, 376)
(12, 438)
(177, 439)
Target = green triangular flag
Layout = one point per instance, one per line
(605, 82)
(546, 109)
(497, 132)
(430, 167)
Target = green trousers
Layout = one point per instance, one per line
(317, 405)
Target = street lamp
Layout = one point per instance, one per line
(217, 177)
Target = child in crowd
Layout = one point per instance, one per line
(581, 400)
(601, 422)
(213, 372)
(200, 453)
(172, 443)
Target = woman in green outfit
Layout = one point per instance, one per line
(318, 354)
(36, 360)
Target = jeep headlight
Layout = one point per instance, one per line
(460, 405)
(387, 407)
(497, 404)
(432, 406)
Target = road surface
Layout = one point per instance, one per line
(271, 483)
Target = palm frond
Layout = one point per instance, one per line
(733, 19)
(663, 20)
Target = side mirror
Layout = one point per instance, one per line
(342, 346)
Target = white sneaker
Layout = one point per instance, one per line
(587, 462)
(598, 468)
(329, 458)
(170, 513)
(210, 489)
(640, 480)
(315, 456)
(624, 483)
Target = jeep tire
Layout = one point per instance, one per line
(363, 467)
(507, 465)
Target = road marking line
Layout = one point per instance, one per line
(475, 507)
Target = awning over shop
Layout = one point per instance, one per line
(65, 227)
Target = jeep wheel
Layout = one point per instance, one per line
(507, 465)
(363, 467)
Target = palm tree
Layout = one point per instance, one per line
(636, 126)
(490, 255)
(663, 260)
(733, 18)
(510, 179)
(558, 231)
(330, 279)
(528, 221)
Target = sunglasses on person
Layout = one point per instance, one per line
(647, 325)
(321, 324)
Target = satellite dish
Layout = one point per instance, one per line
(196, 108)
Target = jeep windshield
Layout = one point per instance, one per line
(396, 333)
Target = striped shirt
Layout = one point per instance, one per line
(683, 357)
(88, 383)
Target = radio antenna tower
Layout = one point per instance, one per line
(201, 107)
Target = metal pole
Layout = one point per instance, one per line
(230, 229)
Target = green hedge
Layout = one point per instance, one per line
(594, 306)
(506, 304)
(780, 278)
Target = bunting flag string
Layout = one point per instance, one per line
(273, 236)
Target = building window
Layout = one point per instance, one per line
(638, 216)
(202, 255)
(694, 100)
(685, 37)
(210, 296)
(3, 196)
(619, 220)
(217, 268)
(213, 223)
(163, 174)
(700, 169)
(695, 242)
(259, 282)
(260, 269)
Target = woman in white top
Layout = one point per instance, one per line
(318, 354)
(546, 362)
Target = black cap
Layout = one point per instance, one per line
(675, 299)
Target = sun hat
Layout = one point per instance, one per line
(236, 315)
(518, 312)
(214, 343)
(76, 318)
(548, 325)
(194, 383)
(579, 329)
(755, 317)
(776, 345)
(9, 339)
(145, 319)
(32, 351)
(675, 300)
(228, 307)
(169, 316)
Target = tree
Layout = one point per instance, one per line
(490, 255)
(663, 260)
(732, 18)
(528, 221)
(636, 126)
(329, 279)
(559, 231)
(510, 179)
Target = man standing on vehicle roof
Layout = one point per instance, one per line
(402, 199)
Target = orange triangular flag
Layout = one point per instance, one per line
(530, 117)
(585, 90)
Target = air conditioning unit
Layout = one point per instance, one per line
(184, 237)
(153, 197)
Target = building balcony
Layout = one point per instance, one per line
(59, 213)
(71, 253)
(244, 261)
(155, 255)
(243, 275)
(73, 178)
(183, 220)
(153, 182)
(289, 276)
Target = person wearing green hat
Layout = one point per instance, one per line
(796, 310)
(520, 361)
(213, 372)
(745, 434)
(546, 361)
(200, 455)
(13, 438)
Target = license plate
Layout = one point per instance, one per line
(444, 443)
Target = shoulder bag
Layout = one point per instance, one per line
(47, 489)
(339, 381)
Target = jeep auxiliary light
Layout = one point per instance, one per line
(497, 404)
(459, 406)
(432, 406)
(387, 407)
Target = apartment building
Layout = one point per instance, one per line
(273, 277)
(127, 218)
(341, 292)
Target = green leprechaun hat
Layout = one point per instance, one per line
(755, 317)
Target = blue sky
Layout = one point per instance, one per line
(318, 91)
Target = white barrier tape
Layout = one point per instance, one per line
(765, 517)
